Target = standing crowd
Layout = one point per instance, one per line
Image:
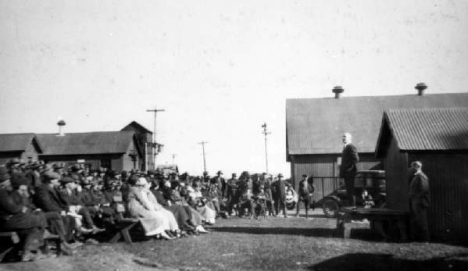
(77, 205)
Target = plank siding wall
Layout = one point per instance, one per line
(396, 175)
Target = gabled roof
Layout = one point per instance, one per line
(430, 129)
(315, 126)
(15, 142)
(86, 143)
(137, 126)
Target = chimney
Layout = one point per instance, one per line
(420, 87)
(337, 90)
(60, 124)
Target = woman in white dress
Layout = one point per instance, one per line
(173, 227)
(201, 204)
(154, 223)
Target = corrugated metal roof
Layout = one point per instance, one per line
(15, 142)
(429, 129)
(85, 143)
(315, 126)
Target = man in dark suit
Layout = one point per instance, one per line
(13, 217)
(48, 200)
(280, 195)
(305, 195)
(348, 169)
(419, 202)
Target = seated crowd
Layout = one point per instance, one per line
(76, 204)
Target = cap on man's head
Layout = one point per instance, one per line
(280, 175)
(58, 166)
(416, 163)
(304, 176)
(219, 172)
(4, 174)
(35, 165)
(51, 176)
(234, 175)
(76, 168)
(66, 180)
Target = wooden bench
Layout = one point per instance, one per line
(123, 225)
(377, 217)
(15, 240)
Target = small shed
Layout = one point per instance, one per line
(21, 146)
(437, 137)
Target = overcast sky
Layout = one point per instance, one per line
(219, 68)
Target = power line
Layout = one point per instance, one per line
(155, 147)
(204, 159)
(266, 133)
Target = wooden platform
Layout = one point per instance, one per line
(378, 217)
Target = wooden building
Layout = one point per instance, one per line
(314, 129)
(22, 146)
(113, 150)
(439, 139)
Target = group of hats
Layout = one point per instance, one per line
(16, 179)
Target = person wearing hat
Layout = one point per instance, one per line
(70, 196)
(14, 165)
(305, 194)
(280, 195)
(33, 174)
(230, 191)
(14, 217)
(59, 168)
(47, 198)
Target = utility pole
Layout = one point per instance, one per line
(204, 159)
(155, 147)
(266, 133)
(173, 158)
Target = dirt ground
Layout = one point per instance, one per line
(264, 244)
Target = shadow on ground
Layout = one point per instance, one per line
(384, 262)
(363, 234)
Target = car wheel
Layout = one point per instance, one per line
(330, 208)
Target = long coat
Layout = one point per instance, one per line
(48, 199)
(140, 207)
(280, 191)
(349, 159)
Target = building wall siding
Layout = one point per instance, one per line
(6, 156)
(126, 161)
(93, 160)
(396, 175)
(31, 152)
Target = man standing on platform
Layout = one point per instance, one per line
(348, 169)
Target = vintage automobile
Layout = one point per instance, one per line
(371, 180)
